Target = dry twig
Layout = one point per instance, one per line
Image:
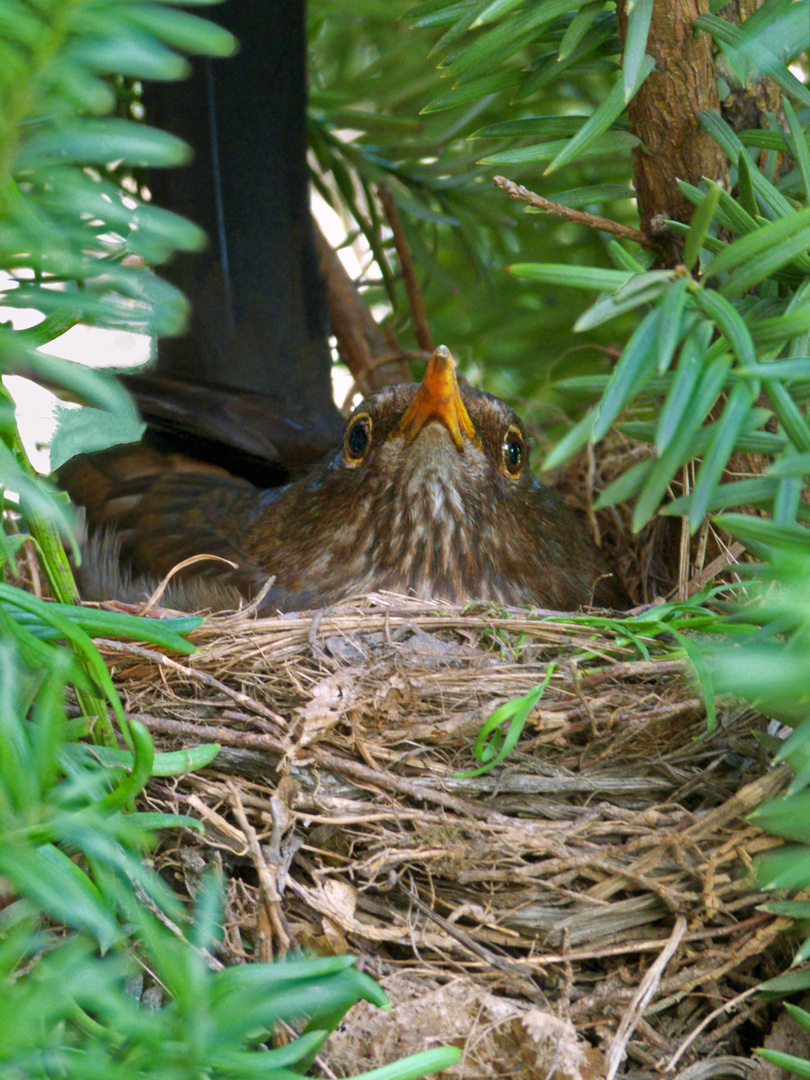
(421, 329)
(579, 217)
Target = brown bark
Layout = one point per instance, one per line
(663, 115)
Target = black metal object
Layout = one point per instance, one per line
(259, 323)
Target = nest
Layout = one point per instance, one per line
(585, 908)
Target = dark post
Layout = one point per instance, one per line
(260, 322)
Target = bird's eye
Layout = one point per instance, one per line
(514, 451)
(357, 439)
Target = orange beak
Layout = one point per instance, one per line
(438, 398)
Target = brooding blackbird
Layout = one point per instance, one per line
(430, 494)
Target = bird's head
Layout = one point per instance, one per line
(420, 435)
(431, 495)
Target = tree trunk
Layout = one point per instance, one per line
(663, 115)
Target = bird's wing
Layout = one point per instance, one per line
(161, 509)
(265, 439)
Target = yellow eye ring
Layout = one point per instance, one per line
(514, 452)
(357, 439)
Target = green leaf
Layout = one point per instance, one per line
(788, 818)
(175, 763)
(588, 385)
(497, 44)
(787, 1062)
(750, 60)
(791, 909)
(495, 10)
(762, 535)
(710, 243)
(730, 144)
(639, 14)
(432, 7)
(682, 445)
(740, 402)
(575, 277)
(786, 868)
(769, 263)
(789, 414)
(584, 60)
(791, 983)
(699, 225)
(574, 440)
(798, 143)
(625, 486)
(622, 259)
(474, 91)
(796, 465)
(96, 387)
(81, 431)
(797, 367)
(613, 143)
(636, 364)
(80, 642)
(96, 622)
(776, 331)
(57, 885)
(610, 109)
(756, 244)
(415, 1066)
(759, 491)
(730, 324)
(180, 30)
(670, 324)
(801, 1016)
(463, 16)
(129, 53)
(530, 125)
(579, 26)
(136, 780)
(99, 142)
(641, 289)
(587, 196)
(745, 185)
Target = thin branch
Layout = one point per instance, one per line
(593, 221)
(727, 1006)
(360, 340)
(131, 649)
(421, 329)
(641, 999)
(269, 892)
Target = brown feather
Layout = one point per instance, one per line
(425, 511)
